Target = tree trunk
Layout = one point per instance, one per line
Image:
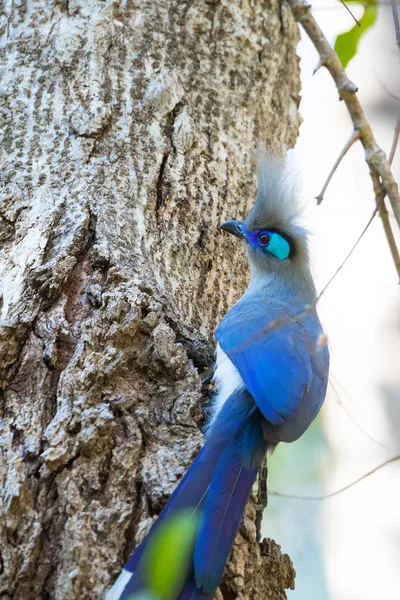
(127, 130)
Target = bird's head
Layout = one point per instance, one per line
(274, 239)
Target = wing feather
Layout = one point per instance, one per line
(274, 366)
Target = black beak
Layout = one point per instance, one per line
(234, 227)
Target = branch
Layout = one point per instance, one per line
(384, 215)
(396, 21)
(353, 419)
(374, 155)
(395, 139)
(353, 138)
(348, 10)
(379, 191)
(337, 6)
(339, 491)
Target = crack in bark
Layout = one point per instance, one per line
(160, 200)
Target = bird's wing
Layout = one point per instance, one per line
(274, 364)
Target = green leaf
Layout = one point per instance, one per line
(346, 43)
(168, 555)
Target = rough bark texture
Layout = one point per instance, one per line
(127, 128)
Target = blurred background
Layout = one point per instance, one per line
(347, 547)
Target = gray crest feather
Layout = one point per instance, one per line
(276, 205)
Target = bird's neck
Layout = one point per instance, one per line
(282, 282)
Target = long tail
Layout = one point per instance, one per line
(216, 487)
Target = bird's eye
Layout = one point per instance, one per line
(264, 239)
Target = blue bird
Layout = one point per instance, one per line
(271, 375)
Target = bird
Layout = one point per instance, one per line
(271, 375)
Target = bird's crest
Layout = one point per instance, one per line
(276, 207)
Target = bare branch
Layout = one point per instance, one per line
(348, 10)
(395, 139)
(374, 155)
(378, 188)
(337, 6)
(339, 491)
(322, 292)
(351, 417)
(353, 138)
(383, 213)
(396, 21)
(385, 88)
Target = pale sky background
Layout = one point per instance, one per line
(347, 547)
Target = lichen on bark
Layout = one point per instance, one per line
(127, 132)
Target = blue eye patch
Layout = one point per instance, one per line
(270, 242)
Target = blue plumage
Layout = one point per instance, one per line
(275, 354)
(192, 592)
(226, 499)
(228, 430)
(189, 493)
(272, 375)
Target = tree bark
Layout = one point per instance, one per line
(127, 132)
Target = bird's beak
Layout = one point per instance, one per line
(236, 228)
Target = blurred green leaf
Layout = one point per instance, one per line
(168, 555)
(346, 43)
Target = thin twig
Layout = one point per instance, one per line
(380, 192)
(339, 491)
(374, 155)
(347, 8)
(395, 139)
(383, 213)
(353, 138)
(353, 419)
(396, 21)
(322, 292)
(385, 87)
(378, 188)
(337, 6)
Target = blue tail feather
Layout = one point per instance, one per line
(192, 592)
(223, 509)
(217, 485)
(189, 494)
